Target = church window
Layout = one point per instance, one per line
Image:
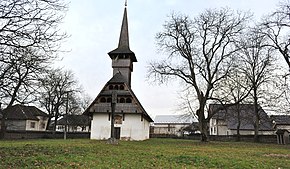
(103, 100)
(109, 100)
(128, 100)
(122, 100)
(116, 87)
(122, 87)
(111, 87)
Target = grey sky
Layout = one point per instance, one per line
(94, 27)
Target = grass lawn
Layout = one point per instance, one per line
(153, 153)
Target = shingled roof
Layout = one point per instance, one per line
(281, 119)
(118, 78)
(21, 112)
(75, 120)
(247, 116)
(123, 47)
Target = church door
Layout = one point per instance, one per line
(117, 132)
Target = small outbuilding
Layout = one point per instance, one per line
(282, 136)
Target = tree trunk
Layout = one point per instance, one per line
(257, 117)
(203, 124)
(239, 123)
(3, 127)
(48, 123)
(204, 131)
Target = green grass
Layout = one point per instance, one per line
(153, 153)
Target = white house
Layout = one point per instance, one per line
(131, 121)
(172, 124)
(75, 123)
(20, 117)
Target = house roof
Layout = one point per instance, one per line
(21, 112)
(75, 120)
(281, 119)
(173, 119)
(247, 116)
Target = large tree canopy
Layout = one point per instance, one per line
(29, 41)
(200, 53)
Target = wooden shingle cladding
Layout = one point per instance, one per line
(134, 107)
(123, 48)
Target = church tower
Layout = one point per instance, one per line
(122, 57)
(130, 121)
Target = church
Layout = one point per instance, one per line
(116, 105)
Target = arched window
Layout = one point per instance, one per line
(122, 100)
(122, 87)
(116, 87)
(128, 100)
(109, 100)
(111, 87)
(103, 100)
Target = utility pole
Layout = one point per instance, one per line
(112, 139)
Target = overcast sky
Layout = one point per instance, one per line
(94, 27)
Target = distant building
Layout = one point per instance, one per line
(131, 121)
(20, 117)
(281, 122)
(175, 125)
(225, 120)
(75, 123)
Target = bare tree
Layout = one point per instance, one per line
(276, 27)
(31, 23)
(29, 39)
(57, 88)
(257, 63)
(234, 90)
(200, 54)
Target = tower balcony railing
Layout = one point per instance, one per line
(120, 108)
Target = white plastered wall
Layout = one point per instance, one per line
(132, 128)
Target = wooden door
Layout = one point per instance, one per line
(117, 132)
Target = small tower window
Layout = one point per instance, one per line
(109, 100)
(128, 100)
(111, 87)
(122, 87)
(116, 87)
(122, 100)
(103, 100)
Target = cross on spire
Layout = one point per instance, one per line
(125, 3)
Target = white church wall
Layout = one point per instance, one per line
(132, 128)
(100, 127)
